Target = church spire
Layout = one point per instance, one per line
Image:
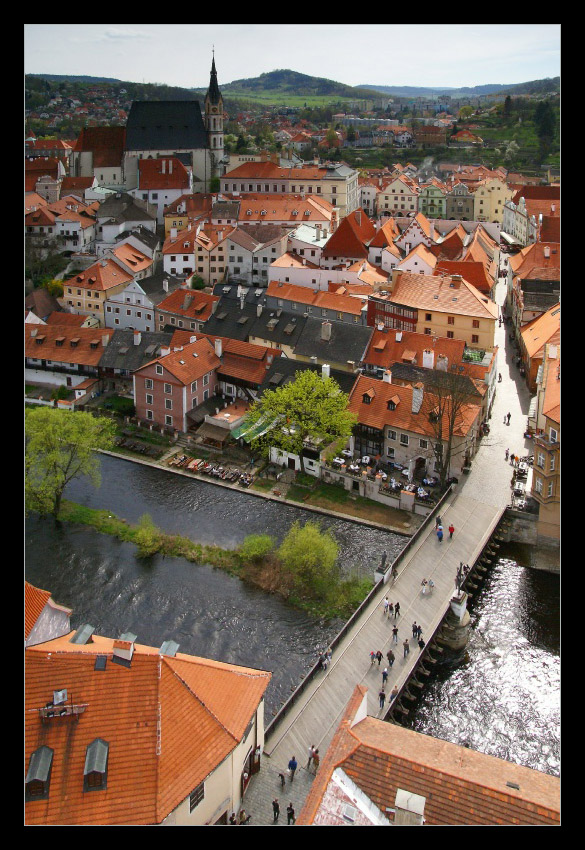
(213, 93)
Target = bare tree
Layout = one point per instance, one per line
(450, 404)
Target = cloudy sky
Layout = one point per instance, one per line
(356, 54)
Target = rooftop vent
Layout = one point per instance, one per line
(83, 634)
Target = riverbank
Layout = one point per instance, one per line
(356, 513)
(264, 572)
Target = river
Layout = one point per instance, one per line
(500, 696)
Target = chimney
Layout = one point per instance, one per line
(333, 221)
(259, 310)
(428, 358)
(553, 208)
(326, 370)
(326, 331)
(218, 348)
(417, 397)
(387, 376)
(187, 300)
(173, 232)
(170, 166)
(408, 809)
(304, 261)
(456, 280)
(442, 362)
(317, 232)
(193, 338)
(398, 336)
(165, 285)
(395, 276)
(105, 339)
(242, 301)
(546, 252)
(137, 337)
(123, 649)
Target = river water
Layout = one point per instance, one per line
(500, 696)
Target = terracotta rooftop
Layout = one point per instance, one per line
(34, 602)
(64, 344)
(427, 292)
(543, 329)
(461, 787)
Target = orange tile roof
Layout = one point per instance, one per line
(163, 173)
(460, 786)
(103, 275)
(132, 257)
(285, 207)
(169, 722)
(419, 291)
(551, 403)
(34, 602)
(305, 295)
(384, 348)
(290, 260)
(543, 329)
(376, 413)
(533, 257)
(59, 317)
(192, 362)
(199, 306)
(472, 271)
(56, 344)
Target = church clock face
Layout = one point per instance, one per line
(214, 108)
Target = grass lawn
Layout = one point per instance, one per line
(333, 498)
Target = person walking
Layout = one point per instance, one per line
(421, 643)
(281, 777)
(372, 657)
(406, 646)
(451, 531)
(292, 766)
(382, 698)
(316, 760)
(414, 629)
(386, 603)
(390, 657)
(275, 809)
(395, 634)
(397, 610)
(507, 453)
(509, 416)
(390, 609)
(505, 419)
(423, 586)
(418, 631)
(379, 657)
(290, 814)
(384, 675)
(440, 534)
(437, 521)
(311, 754)
(393, 694)
(431, 585)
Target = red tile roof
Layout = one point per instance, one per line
(63, 344)
(163, 173)
(169, 722)
(385, 348)
(34, 602)
(191, 303)
(351, 237)
(474, 272)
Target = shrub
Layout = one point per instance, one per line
(256, 547)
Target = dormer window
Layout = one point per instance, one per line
(38, 776)
(95, 773)
(159, 369)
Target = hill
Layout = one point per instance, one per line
(549, 84)
(66, 78)
(286, 84)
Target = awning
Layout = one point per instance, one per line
(249, 431)
(511, 240)
(212, 432)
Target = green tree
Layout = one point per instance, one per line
(256, 547)
(214, 184)
(465, 112)
(59, 446)
(310, 407)
(148, 537)
(508, 106)
(309, 555)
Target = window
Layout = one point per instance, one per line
(450, 320)
(168, 404)
(159, 369)
(205, 395)
(38, 777)
(206, 380)
(428, 331)
(476, 323)
(168, 420)
(474, 338)
(168, 388)
(553, 435)
(551, 463)
(550, 488)
(450, 335)
(149, 398)
(540, 460)
(96, 765)
(404, 439)
(194, 387)
(391, 434)
(423, 444)
(538, 485)
(196, 796)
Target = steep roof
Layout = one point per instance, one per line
(165, 125)
(35, 600)
(101, 276)
(61, 343)
(106, 144)
(472, 271)
(533, 258)
(543, 329)
(460, 786)
(169, 722)
(389, 346)
(428, 292)
(191, 303)
(162, 173)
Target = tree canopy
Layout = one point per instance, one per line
(311, 406)
(309, 555)
(60, 446)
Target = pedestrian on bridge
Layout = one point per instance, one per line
(451, 531)
(379, 657)
(393, 694)
(395, 634)
(382, 698)
(275, 809)
(418, 631)
(386, 603)
(390, 609)
(290, 814)
(292, 766)
(406, 646)
(507, 453)
(397, 610)
(311, 754)
(421, 643)
(390, 657)
(414, 629)
(316, 760)
(440, 534)
(384, 675)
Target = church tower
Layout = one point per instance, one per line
(214, 120)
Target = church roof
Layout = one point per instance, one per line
(213, 92)
(165, 125)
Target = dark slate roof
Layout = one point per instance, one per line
(123, 207)
(540, 301)
(213, 92)
(230, 320)
(283, 370)
(146, 236)
(226, 209)
(41, 303)
(233, 291)
(165, 125)
(114, 356)
(153, 286)
(348, 342)
(279, 326)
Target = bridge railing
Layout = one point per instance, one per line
(316, 668)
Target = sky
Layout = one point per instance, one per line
(429, 55)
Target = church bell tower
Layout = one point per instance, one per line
(214, 120)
